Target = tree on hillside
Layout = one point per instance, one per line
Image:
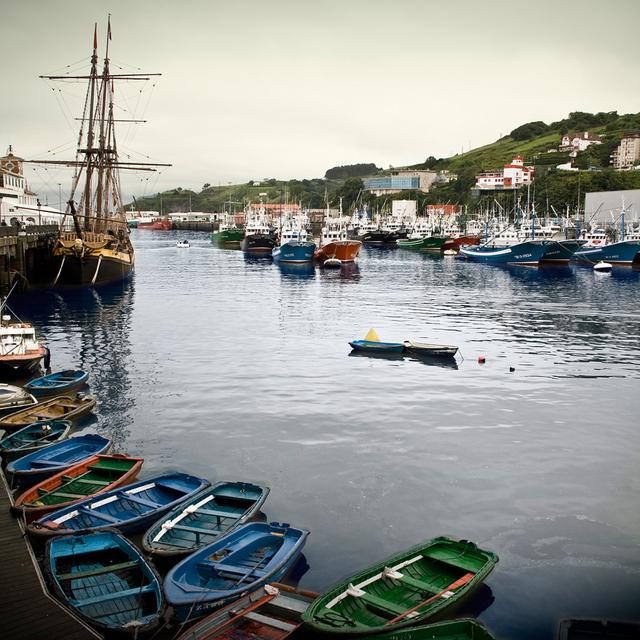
(529, 130)
(349, 191)
(351, 171)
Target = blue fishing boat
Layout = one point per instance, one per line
(204, 518)
(528, 253)
(373, 343)
(57, 457)
(625, 252)
(33, 437)
(106, 581)
(130, 509)
(244, 560)
(59, 382)
(294, 247)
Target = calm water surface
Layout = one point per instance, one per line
(237, 369)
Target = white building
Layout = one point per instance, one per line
(400, 180)
(627, 153)
(19, 205)
(405, 209)
(190, 216)
(574, 142)
(513, 176)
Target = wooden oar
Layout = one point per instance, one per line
(467, 577)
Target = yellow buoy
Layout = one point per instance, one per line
(372, 336)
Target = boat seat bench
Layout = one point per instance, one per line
(140, 500)
(217, 513)
(75, 496)
(381, 604)
(269, 621)
(114, 596)
(232, 568)
(87, 481)
(184, 527)
(96, 572)
(420, 585)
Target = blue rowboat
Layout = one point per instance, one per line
(378, 347)
(105, 580)
(59, 382)
(57, 457)
(33, 437)
(294, 252)
(625, 252)
(528, 253)
(204, 518)
(130, 509)
(244, 560)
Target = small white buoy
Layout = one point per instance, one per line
(602, 266)
(332, 263)
(450, 252)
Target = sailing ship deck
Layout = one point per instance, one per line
(27, 611)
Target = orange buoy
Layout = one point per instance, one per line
(481, 359)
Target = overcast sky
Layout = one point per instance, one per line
(287, 89)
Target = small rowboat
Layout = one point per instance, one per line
(56, 383)
(203, 519)
(433, 350)
(129, 509)
(272, 612)
(182, 244)
(67, 407)
(462, 629)
(96, 475)
(57, 457)
(377, 347)
(33, 437)
(106, 581)
(13, 398)
(406, 589)
(242, 561)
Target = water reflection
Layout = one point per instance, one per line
(430, 361)
(349, 272)
(297, 271)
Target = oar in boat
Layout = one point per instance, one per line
(467, 577)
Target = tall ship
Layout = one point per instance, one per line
(95, 248)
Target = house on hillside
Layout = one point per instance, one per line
(627, 154)
(400, 180)
(512, 176)
(574, 142)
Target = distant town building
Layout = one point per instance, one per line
(400, 180)
(574, 142)
(512, 176)
(18, 204)
(190, 216)
(444, 209)
(445, 176)
(625, 156)
(406, 209)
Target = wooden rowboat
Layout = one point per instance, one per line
(272, 612)
(432, 350)
(57, 383)
(67, 407)
(462, 629)
(13, 398)
(404, 590)
(96, 475)
(105, 580)
(204, 518)
(33, 437)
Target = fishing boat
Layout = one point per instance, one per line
(159, 224)
(95, 475)
(129, 510)
(528, 253)
(228, 234)
(20, 351)
(335, 245)
(41, 464)
(246, 559)
(373, 343)
(98, 249)
(59, 382)
(295, 247)
(624, 253)
(271, 612)
(404, 590)
(67, 407)
(13, 398)
(33, 437)
(204, 518)
(433, 244)
(432, 350)
(258, 239)
(106, 581)
(183, 244)
(594, 629)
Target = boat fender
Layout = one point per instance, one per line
(272, 591)
(481, 359)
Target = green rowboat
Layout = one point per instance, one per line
(463, 629)
(403, 590)
(430, 243)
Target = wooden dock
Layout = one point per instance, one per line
(26, 609)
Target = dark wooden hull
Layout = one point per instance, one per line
(80, 272)
(258, 244)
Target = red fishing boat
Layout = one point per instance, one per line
(159, 224)
(335, 247)
(456, 242)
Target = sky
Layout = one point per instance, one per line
(287, 89)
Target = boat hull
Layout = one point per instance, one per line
(259, 245)
(33, 437)
(377, 347)
(228, 237)
(295, 252)
(430, 243)
(524, 253)
(374, 237)
(343, 250)
(626, 252)
(15, 366)
(156, 225)
(561, 251)
(57, 383)
(105, 267)
(455, 243)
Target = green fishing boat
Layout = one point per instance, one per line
(427, 243)
(463, 629)
(402, 591)
(227, 235)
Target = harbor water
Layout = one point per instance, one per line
(239, 369)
